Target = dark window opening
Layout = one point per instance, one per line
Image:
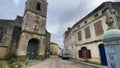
(78, 26)
(16, 34)
(103, 12)
(38, 6)
(85, 22)
(1, 36)
(96, 15)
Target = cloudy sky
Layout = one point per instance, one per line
(61, 13)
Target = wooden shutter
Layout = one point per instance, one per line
(98, 28)
(87, 32)
(88, 54)
(80, 53)
(79, 36)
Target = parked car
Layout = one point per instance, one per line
(65, 56)
(60, 55)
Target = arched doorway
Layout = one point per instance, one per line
(84, 52)
(102, 54)
(32, 49)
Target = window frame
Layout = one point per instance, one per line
(87, 32)
(98, 28)
(1, 35)
(79, 34)
(38, 6)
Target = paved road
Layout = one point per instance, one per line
(55, 62)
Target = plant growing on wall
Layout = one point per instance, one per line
(14, 64)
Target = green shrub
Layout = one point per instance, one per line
(14, 64)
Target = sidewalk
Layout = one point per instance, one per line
(89, 64)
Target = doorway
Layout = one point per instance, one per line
(102, 54)
(32, 49)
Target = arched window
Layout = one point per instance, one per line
(1, 36)
(38, 7)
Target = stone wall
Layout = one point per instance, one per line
(23, 44)
(16, 35)
(7, 26)
(3, 53)
(8, 41)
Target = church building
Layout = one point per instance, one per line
(26, 37)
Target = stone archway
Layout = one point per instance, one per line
(32, 49)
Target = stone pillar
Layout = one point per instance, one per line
(112, 48)
(42, 49)
(112, 44)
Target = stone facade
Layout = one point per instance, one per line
(84, 40)
(26, 33)
(54, 48)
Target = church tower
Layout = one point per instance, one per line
(32, 44)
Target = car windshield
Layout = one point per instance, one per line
(65, 53)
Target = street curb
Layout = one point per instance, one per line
(89, 64)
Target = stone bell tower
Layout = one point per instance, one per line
(32, 43)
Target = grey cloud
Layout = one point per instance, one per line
(67, 13)
(61, 14)
(8, 10)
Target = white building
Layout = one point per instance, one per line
(84, 40)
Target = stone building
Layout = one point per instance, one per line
(84, 40)
(26, 36)
(54, 48)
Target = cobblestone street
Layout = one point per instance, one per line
(56, 62)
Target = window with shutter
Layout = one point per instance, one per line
(79, 36)
(98, 28)
(87, 32)
(80, 53)
(84, 52)
(88, 54)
